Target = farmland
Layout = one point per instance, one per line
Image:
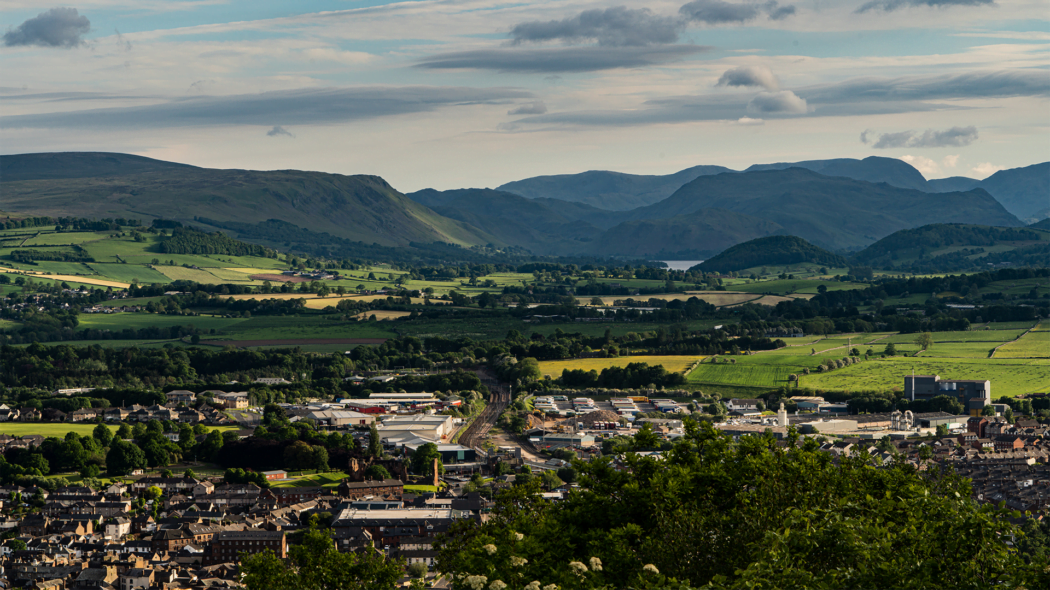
(673, 364)
(1034, 344)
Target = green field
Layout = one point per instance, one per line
(128, 273)
(785, 286)
(673, 364)
(1008, 376)
(328, 479)
(120, 321)
(304, 327)
(1035, 344)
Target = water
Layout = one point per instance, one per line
(681, 264)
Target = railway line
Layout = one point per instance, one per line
(499, 399)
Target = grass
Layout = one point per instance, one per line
(750, 374)
(1035, 344)
(328, 479)
(302, 327)
(673, 364)
(128, 272)
(55, 239)
(1009, 377)
(978, 350)
(120, 321)
(420, 488)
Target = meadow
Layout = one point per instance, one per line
(673, 364)
(1034, 344)
(328, 479)
(119, 321)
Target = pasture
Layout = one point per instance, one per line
(673, 364)
(119, 321)
(1035, 344)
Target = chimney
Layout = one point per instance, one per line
(436, 480)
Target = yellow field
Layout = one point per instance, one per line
(674, 364)
(73, 278)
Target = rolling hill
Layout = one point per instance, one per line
(872, 169)
(692, 236)
(613, 191)
(51, 166)
(770, 251)
(362, 208)
(832, 212)
(1025, 192)
(955, 247)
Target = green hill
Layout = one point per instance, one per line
(957, 247)
(362, 208)
(614, 191)
(1044, 224)
(770, 251)
(832, 212)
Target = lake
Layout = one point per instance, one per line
(680, 264)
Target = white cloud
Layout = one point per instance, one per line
(985, 169)
(950, 161)
(926, 166)
(784, 101)
(749, 121)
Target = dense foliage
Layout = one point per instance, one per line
(185, 240)
(770, 251)
(713, 514)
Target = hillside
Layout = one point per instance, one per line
(696, 235)
(955, 247)
(1025, 192)
(362, 208)
(1044, 224)
(872, 169)
(832, 212)
(770, 251)
(952, 184)
(614, 191)
(518, 221)
(51, 166)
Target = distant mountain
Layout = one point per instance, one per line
(51, 166)
(700, 234)
(952, 184)
(361, 208)
(1025, 192)
(613, 191)
(953, 247)
(872, 169)
(539, 225)
(1044, 224)
(770, 251)
(832, 212)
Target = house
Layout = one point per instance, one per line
(1008, 442)
(181, 396)
(117, 527)
(275, 475)
(271, 381)
(233, 401)
(227, 546)
(84, 414)
(744, 405)
(137, 578)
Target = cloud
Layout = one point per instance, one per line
(531, 108)
(985, 169)
(559, 59)
(618, 26)
(278, 130)
(122, 42)
(784, 101)
(980, 84)
(750, 76)
(950, 161)
(313, 106)
(717, 12)
(891, 5)
(748, 121)
(924, 165)
(931, 138)
(58, 27)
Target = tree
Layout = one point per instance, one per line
(209, 449)
(988, 411)
(103, 435)
(1009, 414)
(377, 472)
(645, 439)
(550, 480)
(567, 474)
(124, 457)
(16, 544)
(189, 474)
(315, 564)
(891, 350)
(375, 444)
(319, 456)
(942, 430)
(924, 340)
(417, 570)
(299, 455)
(751, 514)
(153, 493)
(124, 432)
(423, 459)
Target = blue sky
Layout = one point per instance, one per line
(450, 94)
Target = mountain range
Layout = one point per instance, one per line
(841, 204)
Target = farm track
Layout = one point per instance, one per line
(499, 399)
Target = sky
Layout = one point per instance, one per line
(476, 93)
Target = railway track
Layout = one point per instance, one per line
(499, 399)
